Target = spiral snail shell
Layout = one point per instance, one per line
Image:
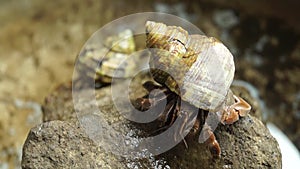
(104, 61)
(198, 68)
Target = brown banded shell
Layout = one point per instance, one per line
(199, 67)
(111, 59)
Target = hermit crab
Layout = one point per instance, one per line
(195, 70)
(105, 61)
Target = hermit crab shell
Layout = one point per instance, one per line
(198, 68)
(112, 58)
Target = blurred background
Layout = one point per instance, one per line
(39, 41)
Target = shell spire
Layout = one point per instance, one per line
(154, 33)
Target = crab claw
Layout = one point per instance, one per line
(239, 108)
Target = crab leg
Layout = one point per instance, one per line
(158, 92)
(207, 136)
(211, 141)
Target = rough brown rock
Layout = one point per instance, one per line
(60, 144)
(245, 144)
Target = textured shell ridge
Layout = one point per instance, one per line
(211, 73)
(202, 97)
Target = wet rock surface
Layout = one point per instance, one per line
(245, 144)
(60, 144)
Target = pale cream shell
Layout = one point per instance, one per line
(203, 74)
(208, 80)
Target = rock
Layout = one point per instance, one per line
(60, 144)
(64, 144)
(245, 144)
